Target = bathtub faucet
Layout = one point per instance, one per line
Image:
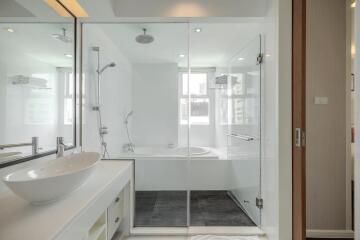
(128, 147)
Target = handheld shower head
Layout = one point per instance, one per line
(127, 116)
(112, 64)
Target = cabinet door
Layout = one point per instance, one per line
(115, 214)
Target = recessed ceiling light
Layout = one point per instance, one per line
(197, 30)
(353, 5)
(10, 30)
(241, 59)
(68, 55)
(181, 55)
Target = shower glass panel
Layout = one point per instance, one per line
(221, 167)
(244, 118)
(139, 103)
(193, 131)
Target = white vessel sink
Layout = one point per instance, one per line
(52, 180)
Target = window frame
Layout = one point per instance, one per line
(207, 96)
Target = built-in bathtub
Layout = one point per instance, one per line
(178, 153)
(181, 168)
(175, 152)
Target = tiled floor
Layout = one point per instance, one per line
(207, 208)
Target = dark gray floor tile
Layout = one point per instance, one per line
(168, 208)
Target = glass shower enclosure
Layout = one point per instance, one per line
(190, 117)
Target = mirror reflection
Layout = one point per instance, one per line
(36, 87)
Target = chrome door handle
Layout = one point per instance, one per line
(241, 137)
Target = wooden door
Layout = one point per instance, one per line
(298, 118)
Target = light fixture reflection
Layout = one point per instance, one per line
(10, 30)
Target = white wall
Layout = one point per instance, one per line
(155, 104)
(115, 95)
(276, 176)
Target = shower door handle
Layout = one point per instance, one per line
(241, 137)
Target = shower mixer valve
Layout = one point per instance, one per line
(104, 130)
(95, 107)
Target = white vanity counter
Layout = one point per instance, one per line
(71, 217)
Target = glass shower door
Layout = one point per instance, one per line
(224, 168)
(244, 132)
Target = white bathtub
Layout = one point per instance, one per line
(179, 153)
(172, 152)
(159, 169)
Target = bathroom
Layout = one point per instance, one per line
(175, 103)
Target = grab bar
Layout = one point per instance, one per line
(241, 137)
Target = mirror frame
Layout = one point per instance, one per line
(77, 90)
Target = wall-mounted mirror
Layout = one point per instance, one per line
(37, 83)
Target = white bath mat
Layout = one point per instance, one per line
(214, 237)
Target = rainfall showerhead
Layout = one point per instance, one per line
(112, 64)
(62, 37)
(144, 38)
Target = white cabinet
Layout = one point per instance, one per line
(115, 213)
(108, 222)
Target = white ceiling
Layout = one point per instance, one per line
(214, 46)
(112, 9)
(30, 9)
(175, 8)
(35, 41)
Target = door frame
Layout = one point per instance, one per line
(298, 119)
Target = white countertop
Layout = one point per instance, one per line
(19, 220)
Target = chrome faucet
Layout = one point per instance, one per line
(60, 147)
(34, 145)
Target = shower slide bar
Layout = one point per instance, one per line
(241, 137)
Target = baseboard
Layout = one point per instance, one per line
(318, 233)
(190, 231)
